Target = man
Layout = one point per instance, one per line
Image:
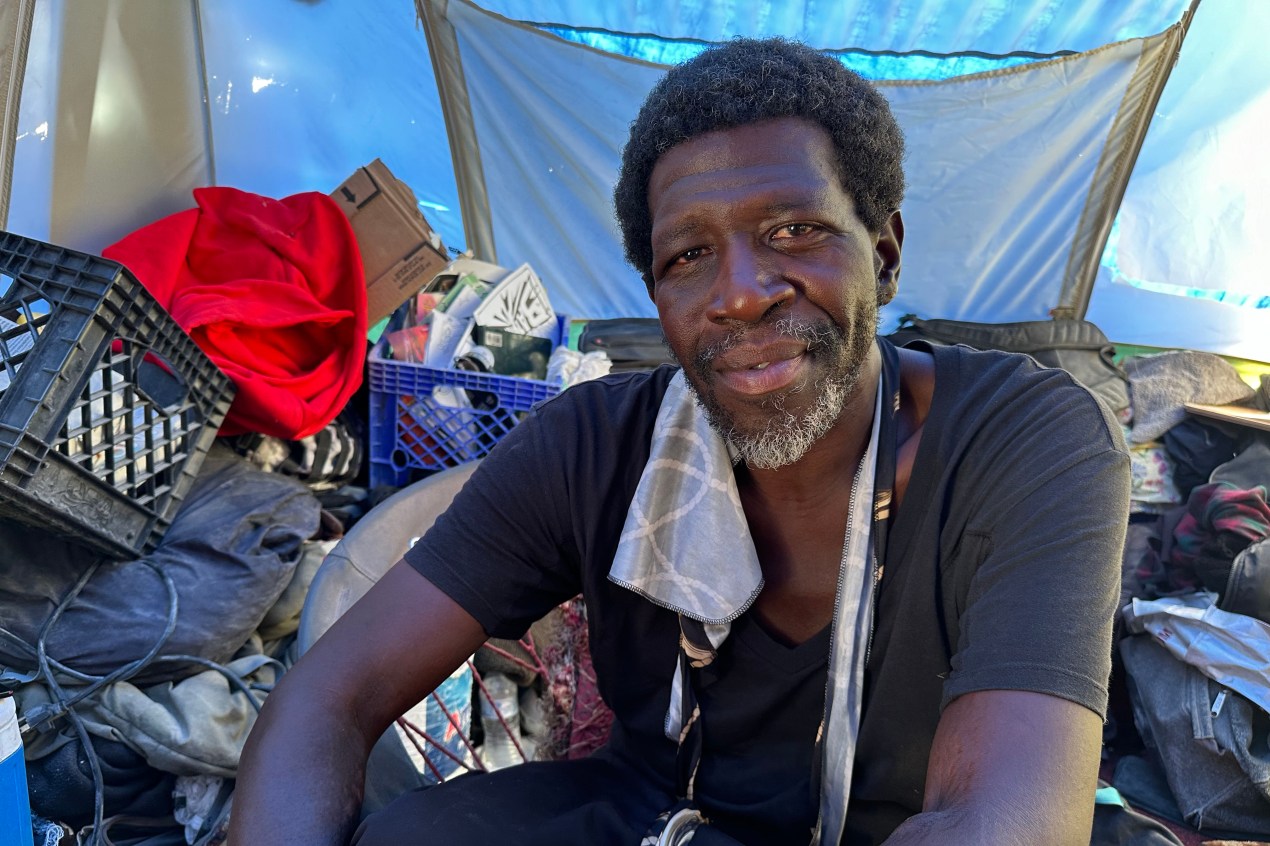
(815, 567)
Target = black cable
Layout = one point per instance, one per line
(96, 683)
(64, 705)
(230, 676)
(94, 764)
(131, 669)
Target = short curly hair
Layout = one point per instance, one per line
(748, 80)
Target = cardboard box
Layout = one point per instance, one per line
(400, 252)
(1254, 417)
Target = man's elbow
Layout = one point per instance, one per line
(309, 702)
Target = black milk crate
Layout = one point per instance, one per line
(107, 407)
(430, 418)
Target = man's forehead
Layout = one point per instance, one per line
(774, 165)
(683, 214)
(758, 137)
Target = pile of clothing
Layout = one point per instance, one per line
(1194, 633)
(139, 680)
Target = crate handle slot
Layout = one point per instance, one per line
(452, 396)
(155, 379)
(14, 286)
(17, 338)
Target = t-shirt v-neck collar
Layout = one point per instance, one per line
(792, 659)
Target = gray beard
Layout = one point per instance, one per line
(786, 437)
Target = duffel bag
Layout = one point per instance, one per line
(1077, 346)
(631, 343)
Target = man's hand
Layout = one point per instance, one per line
(1009, 767)
(303, 769)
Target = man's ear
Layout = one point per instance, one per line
(887, 257)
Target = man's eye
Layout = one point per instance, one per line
(794, 230)
(689, 256)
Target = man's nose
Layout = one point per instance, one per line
(748, 285)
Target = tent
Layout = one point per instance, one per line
(1068, 157)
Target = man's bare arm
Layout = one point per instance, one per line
(302, 771)
(1009, 767)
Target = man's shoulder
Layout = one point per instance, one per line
(977, 389)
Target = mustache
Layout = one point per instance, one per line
(816, 335)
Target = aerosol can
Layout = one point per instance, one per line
(15, 804)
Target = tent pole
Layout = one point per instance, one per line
(18, 20)
(200, 55)
(1086, 256)
(460, 128)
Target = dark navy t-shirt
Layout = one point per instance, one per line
(1002, 573)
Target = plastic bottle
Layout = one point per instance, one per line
(478, 360)
(503, 698)
(15, 804)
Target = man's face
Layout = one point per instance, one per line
(766, 282)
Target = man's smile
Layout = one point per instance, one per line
(762, 369)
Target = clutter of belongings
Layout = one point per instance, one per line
(136, 678)
(475, 315)
(1194, 639)
(137, 664)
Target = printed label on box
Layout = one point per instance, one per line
(518, 304)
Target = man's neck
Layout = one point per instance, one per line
(798, 518)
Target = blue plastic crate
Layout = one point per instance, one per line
(430, 418)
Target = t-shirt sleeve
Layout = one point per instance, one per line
(1048, 534)
(503, 550)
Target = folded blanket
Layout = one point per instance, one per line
(1160, 384)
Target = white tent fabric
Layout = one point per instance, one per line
(126, 105)
(936, 26)
(1002, 167)
(1005, 170)
(96, 144)
(1197, 211)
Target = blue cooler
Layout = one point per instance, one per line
(15, 805)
